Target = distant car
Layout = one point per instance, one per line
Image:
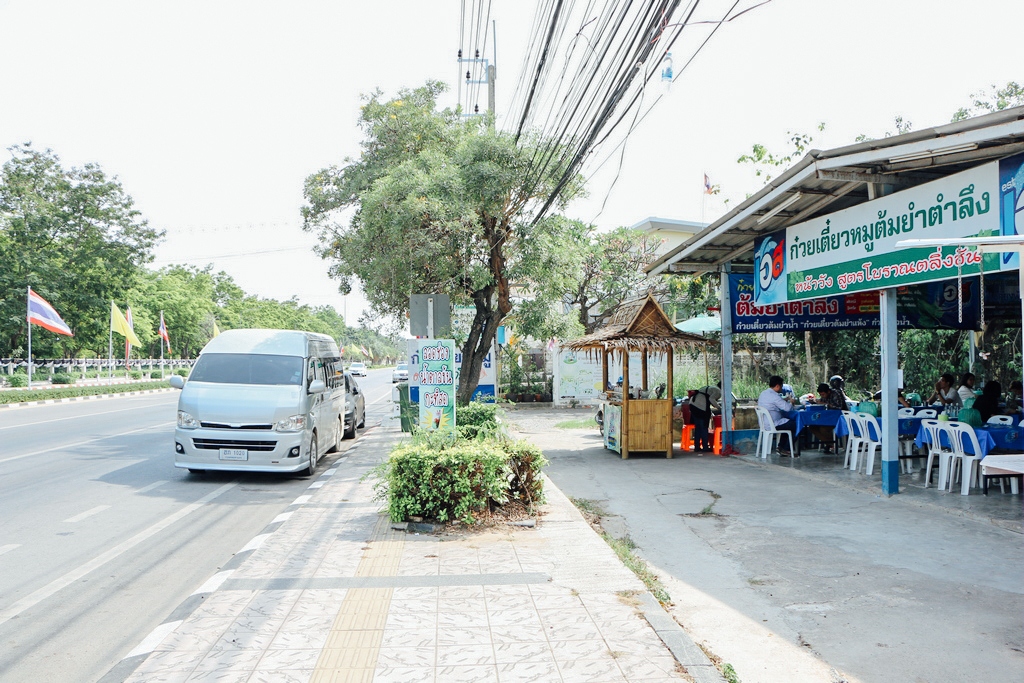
(400, 373)
(355, 407)
(358, 369)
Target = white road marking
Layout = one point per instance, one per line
(56, 585)
(154, 638)
(154, 485)
(75, 417)
(316, 485)
(282, 517)
(255, 543)
(9, 547)
(88, 513)
(330, 472)
(214, 582)
(82, 443)
(301, 500)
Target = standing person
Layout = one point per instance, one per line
(966, 389)
(779, 410)
(701, 404)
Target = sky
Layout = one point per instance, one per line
(213, 113)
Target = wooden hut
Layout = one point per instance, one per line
(644, 419)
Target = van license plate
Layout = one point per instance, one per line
(234, 454)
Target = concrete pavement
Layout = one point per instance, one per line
(329, 591)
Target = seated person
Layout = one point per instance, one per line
(837, 399)
(830, 399)
(779, 409)
(966, 389)
(988, 403)
(1013, 397)
(944, 392)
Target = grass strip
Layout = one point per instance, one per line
(68, 392)
(578, 423)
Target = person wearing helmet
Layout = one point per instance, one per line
(836, 398)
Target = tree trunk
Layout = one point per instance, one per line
(808, 361)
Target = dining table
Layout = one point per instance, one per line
(985, 440)
(1010, 464)
(816, 417)
(1006, 437)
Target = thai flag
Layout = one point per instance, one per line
(163, 332)
(707, 185)
(41, 313)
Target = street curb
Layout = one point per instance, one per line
(91, 397)
(678, 641)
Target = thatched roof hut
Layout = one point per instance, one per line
(639, 325)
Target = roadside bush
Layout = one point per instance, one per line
(135, 374)
(62, 378)
(451, 483)
(525, 464)
(65, 392)
(181, 371)
(17, 380)
(477, 418)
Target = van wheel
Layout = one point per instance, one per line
(350, 433)
(339, 435)
(311, 468)
(362, 421)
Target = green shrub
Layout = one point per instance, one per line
(62, 378)
(181, 371)
(65, 392)
(451, 483)
(525, 464)
(18, 380)
(21, 370)
(477, 418)
(135, 374)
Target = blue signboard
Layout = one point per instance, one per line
(928, 306)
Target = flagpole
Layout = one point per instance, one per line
(162, 340)
(110, 347)
(28, 314)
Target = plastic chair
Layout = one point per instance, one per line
(872, 441)
(928, 412)
(905, 412)
(855, 439)
(686, 438)
(768, 438)
(966, 463)
(936, 449)
(1000, 420)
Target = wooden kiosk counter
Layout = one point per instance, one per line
(634, 424)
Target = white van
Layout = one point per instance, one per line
(261, 401)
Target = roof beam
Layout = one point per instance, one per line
(856, 177)
(692, 267)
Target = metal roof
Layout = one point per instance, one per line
(827, 181)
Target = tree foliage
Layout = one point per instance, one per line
(439, 204)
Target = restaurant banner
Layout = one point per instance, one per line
(855, 249)
(934, 305)
(437, 384)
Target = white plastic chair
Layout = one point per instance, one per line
(966, 463)
(872, 441)
(768, 438)
(905, 412)
(1021, 423)
(1000, 420)
(928, 412)
(854, 440)
(936, 449)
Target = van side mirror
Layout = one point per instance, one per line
(177, 381)
(317, 386)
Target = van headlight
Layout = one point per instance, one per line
(186, 421)
(295, 423)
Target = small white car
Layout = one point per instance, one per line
(357, 369)
(400, 373)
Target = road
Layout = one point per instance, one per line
(103, 537)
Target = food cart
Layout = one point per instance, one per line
(636, 419)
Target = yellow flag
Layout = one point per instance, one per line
(119, 324)
(216, 330)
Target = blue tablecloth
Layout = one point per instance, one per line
(908, 426)
(817, 418)
(1008, 438)
(985, 440)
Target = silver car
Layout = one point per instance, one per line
(400, 373)
(355, 407)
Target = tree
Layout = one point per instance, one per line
(442, 204)
(76, 238)
(997, 99)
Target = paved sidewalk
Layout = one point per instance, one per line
(330, 592)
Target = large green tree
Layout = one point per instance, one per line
(440, 203)
(74, 236)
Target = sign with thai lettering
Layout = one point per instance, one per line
(578, 377)
(854, 249)
(436, 369)
(934, 305)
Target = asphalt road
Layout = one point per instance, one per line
(102, 537)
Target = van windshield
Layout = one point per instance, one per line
(244, 368)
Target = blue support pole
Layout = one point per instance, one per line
(726, 306)
(890, 389)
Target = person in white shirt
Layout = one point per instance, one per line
(779, 409)
(966, 389)
(705, 399)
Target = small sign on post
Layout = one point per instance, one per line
(430, 315)
(437, 384)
